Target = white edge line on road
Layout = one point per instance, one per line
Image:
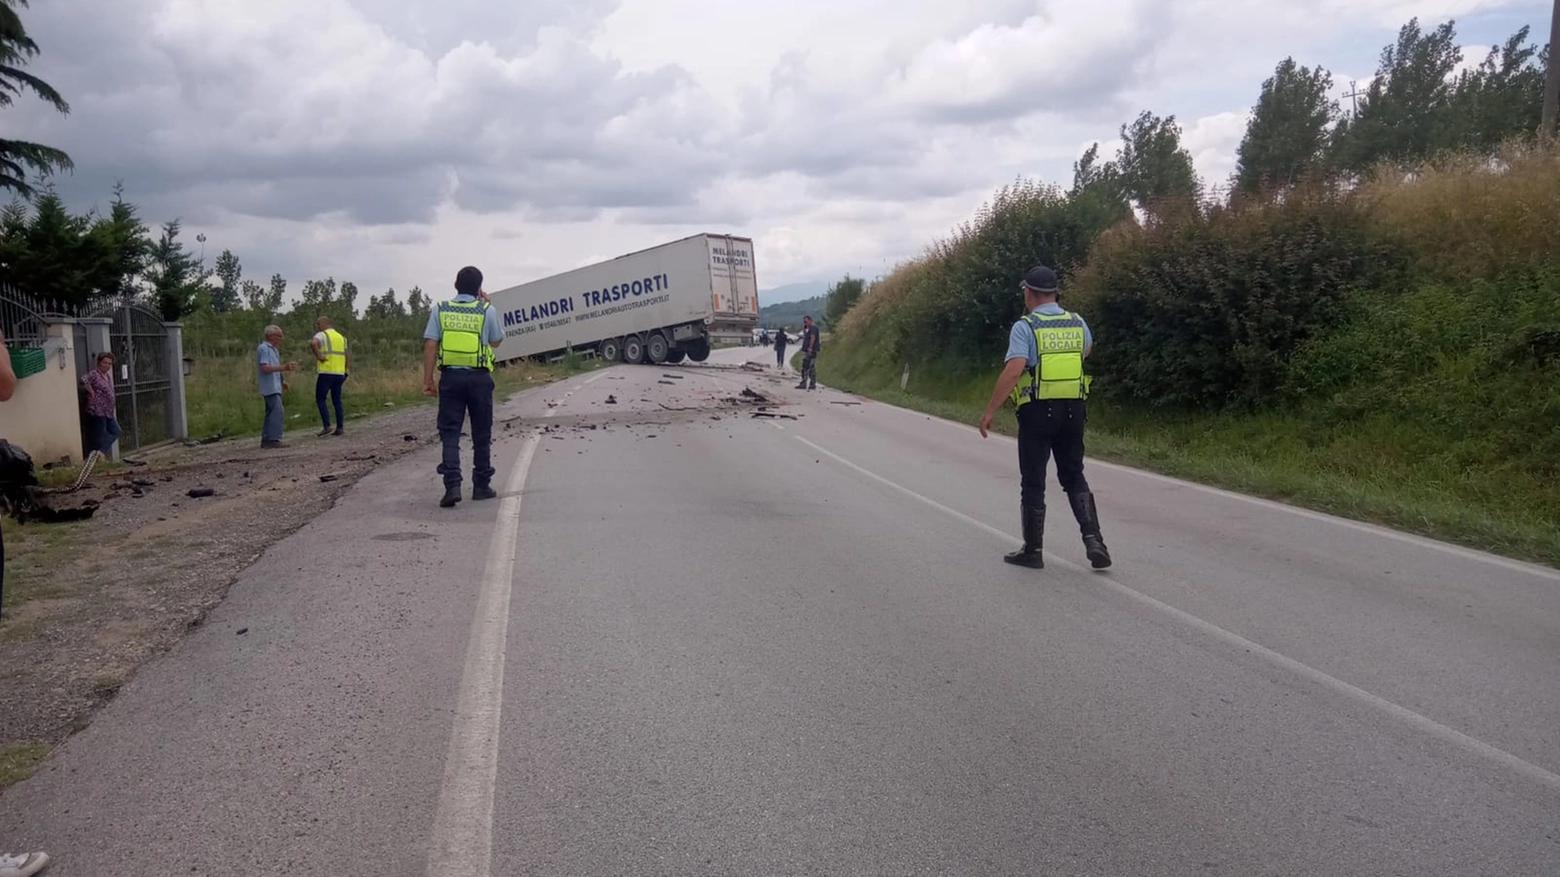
(462, 841)
(1358, 526)
(592, 380)
(1338, 686)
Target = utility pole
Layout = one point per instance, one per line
(1355, 93)
(1546, 131)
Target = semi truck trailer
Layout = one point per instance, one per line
(661, 305)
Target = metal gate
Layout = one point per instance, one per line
(143, 376)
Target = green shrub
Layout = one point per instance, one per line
(1204, 312)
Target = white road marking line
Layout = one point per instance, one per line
(1358, 526)
(463, 824)
(1337, 686)
(592, 380)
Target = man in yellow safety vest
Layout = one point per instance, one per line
(1044, 378)
(460, 338)
(330, 356)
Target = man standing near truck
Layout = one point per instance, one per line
(460, 338)
(809, 355)
(780, 341)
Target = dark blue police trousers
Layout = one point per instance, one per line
(463, 391)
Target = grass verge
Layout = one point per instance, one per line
(223, 394)
(1362, 469)
(17, 762)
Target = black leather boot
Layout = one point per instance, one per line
(451, 496)
(482, 491)
(1089, 524)
(1034, 534)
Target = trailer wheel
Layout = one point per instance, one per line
(676, 355)
(656, 348)
(699, 352)
(611, 350)
(633, 350)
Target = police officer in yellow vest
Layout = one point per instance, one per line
(460, 338)
(330, 359)
(1044, 378)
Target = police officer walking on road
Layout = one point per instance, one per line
(460, 338)
(1044, 377)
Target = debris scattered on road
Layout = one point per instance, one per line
(328, 477)
(668, 383)
(747, 393)
(198, 492)
(408, 438)
(772, 414)
(242, 631)
(674, 377)
(844, 403)
(611, 400)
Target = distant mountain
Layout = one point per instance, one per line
(791, 292)
(790, 313)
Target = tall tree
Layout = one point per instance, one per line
(347, 299)
(1406, 115)
(254, 296)
(840, 298)
(18, 157)
(129, 241)
(417, 304)
(1288, 128)
(1502, 97)
(274, 295)
(230, 272)
(176, 277)
(1155, 169)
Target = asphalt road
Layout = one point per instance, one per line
(687, 645)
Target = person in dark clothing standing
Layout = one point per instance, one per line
(460, 338)
(809, 355)
(1044, 378)
(780, 342)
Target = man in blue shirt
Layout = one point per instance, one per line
(268, 361)
(1051, 413)
(460, 338)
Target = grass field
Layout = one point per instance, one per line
(1367, 468)
(223, 394)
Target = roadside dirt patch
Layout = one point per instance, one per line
(88, 602)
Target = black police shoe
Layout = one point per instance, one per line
(451, 496)
(482, 491)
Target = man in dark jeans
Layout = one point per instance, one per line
(809, 355)
(780, 342)
(460, 338)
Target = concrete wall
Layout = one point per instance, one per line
(43, 418)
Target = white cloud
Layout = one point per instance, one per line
(392, 141)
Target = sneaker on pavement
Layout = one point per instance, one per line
(22, 865)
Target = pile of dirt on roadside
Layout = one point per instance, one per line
(88, 602)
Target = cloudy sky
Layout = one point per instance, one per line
(389, 142)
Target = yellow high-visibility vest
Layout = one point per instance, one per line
(463, 337)
(334, 347)
(1058, 374)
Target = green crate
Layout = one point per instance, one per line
(27, 361)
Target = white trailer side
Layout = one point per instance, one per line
(657, 304)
